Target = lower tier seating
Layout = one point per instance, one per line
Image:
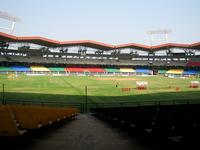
(175, 71)
(97, 70)
(93, 70)
(14, 118)
(159, 120)
(191, 63)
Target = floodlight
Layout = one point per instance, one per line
(13, 19)
(163, 32)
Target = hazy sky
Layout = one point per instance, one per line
(109, 21)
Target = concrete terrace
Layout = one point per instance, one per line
(84, 133)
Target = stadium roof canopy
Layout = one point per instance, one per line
(92, 44)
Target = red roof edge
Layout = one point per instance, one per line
(90, 43)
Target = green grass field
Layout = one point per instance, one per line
(72, 89)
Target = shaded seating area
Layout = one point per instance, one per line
(167, 121)
(17, 119)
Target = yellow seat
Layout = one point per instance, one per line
(15, 117)
(25, 119)
(7, 124)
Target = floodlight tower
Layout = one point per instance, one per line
(164, 32)
(11, 18)
(158, 35)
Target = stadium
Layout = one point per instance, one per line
(86, 94)
(90, 75)
(167, 69)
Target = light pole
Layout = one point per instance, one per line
(86, 99)
(3, 95)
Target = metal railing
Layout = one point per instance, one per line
(85, 107)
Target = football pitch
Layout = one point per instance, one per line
(72, 89)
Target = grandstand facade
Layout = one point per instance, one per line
(42, 55)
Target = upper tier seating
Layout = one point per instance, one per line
(19, 58)
(177, 63)
(140, 62)
(2, 58)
